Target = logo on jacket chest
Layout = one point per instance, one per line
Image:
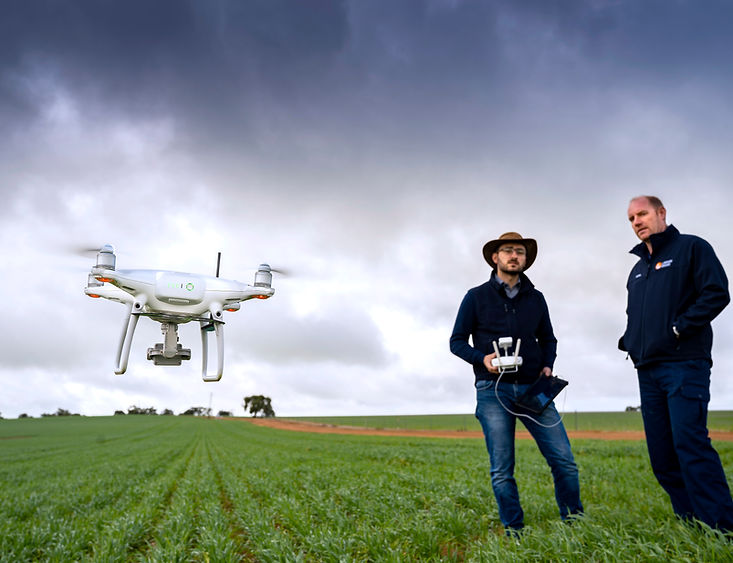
(663, 264)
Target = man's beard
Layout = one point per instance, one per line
(506, 270)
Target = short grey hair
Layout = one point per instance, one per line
(653, 200)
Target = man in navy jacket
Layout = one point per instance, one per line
(508, 305)
(675, 290)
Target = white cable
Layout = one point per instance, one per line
(496, 392)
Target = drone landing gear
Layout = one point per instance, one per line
(218, 328)
(123, 350)
(169, 352)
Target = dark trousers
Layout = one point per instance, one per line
(674, 406)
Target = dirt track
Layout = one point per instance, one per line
(301, 426)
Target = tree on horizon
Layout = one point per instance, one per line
(258, 403)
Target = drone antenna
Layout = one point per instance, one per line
(218, 263)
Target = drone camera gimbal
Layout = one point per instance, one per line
(169, 352)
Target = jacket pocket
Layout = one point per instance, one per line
(660, 340)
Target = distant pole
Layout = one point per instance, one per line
(210, 397)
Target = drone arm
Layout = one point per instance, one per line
(219, 329)
(123, 349)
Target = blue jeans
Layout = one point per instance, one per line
(499, 425)
(674, 406)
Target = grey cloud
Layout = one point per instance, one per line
(279, 86)
(339, 332)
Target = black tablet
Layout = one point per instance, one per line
(541, 393)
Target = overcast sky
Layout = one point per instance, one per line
(370, 147)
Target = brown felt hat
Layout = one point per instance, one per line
(529, 243)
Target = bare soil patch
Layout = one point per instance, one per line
(319, 428)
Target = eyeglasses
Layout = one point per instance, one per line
(520, 250)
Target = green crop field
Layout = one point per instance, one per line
(165, 488)
(605, 421)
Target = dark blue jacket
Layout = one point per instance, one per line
(682, 285)
(487, 314)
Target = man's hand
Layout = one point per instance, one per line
(547, 372)
(487, 363)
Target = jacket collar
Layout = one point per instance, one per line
(659, 241)
(524, 283)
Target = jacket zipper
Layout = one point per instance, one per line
(643, 310)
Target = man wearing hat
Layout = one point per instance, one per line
(509, 305)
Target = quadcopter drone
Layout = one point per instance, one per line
(173, 298)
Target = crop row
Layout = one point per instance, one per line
(190, 489)
(602, 421)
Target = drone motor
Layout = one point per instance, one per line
(106, 257)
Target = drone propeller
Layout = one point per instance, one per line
(267, 267)
(281, 271)
(85, 251)
(89, 251)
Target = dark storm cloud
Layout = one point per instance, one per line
(288, 81)
(664, 39)
(251, 70)
(134, 49)
(214, 67)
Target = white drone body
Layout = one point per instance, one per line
(173, 298)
